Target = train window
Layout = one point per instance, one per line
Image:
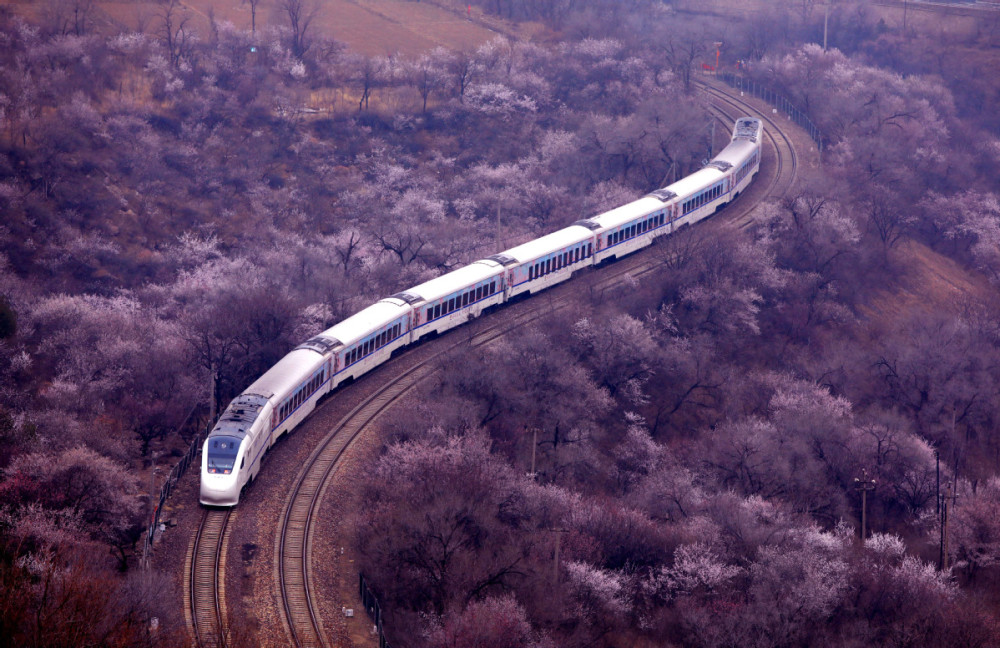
(548, 266)
(493, 287)
(479, 293)
(465, 299)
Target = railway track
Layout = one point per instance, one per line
(294, 539)
(784, 155)
(204, 587)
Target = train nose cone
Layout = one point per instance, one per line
(217, 494)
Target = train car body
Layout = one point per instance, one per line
(368, 338)
(454, 298)
(546, 261)
(631, 227)
(285, 395)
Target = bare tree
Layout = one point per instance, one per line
(300, 14)
(253, 4)
(174, 19)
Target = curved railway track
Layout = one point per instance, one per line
(294, 539)
(785, 157)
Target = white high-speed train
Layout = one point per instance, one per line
(280, 399)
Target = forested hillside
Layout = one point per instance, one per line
(182, 207)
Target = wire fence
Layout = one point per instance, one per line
(780, 102)
(168, 486)
(373, 608)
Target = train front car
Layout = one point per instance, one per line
(741, 158)
(227, 458)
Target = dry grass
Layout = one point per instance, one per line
(371, 27)
(931, 283)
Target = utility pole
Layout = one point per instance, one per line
(826, 23)
(944, 546)
(937, 475)
(534, 447)
(864, 484)
(555, 562)
(212, 382)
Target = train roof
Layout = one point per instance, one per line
(452, 282)
(629, 212)
(286, 375)
(697, 181)
(363, 322)
(738, 151)
(549, 243)
(239, 417)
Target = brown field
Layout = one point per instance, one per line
(371, 27)
(953, 22)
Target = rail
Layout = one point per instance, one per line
(780, 102)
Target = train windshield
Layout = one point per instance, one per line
(222, 454)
